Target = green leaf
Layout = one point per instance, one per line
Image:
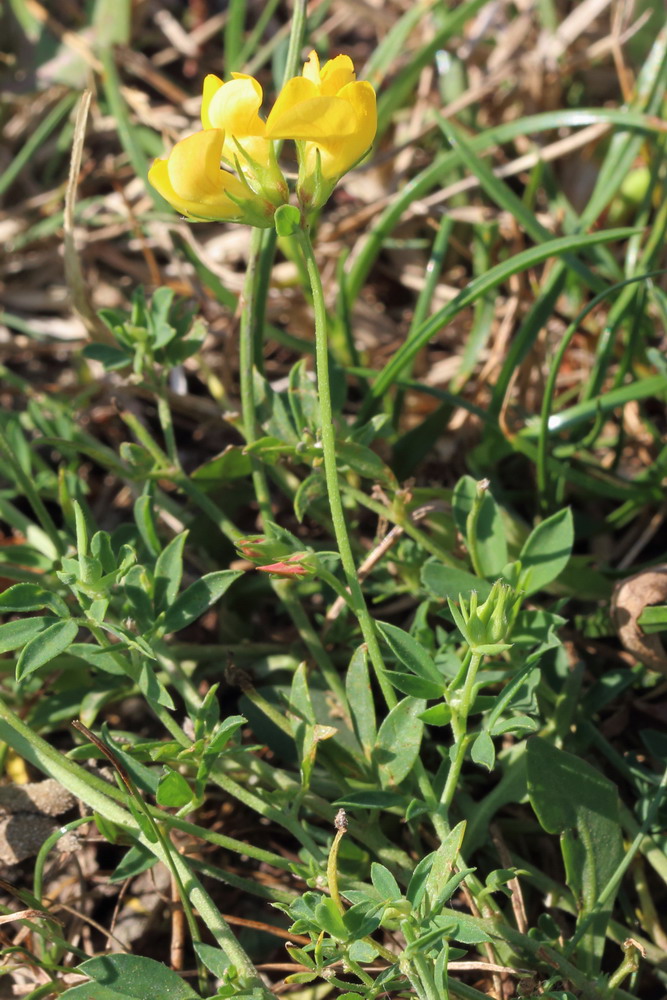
(151, 688)
(515, 724)
(483, 752)
(142, 821)
(299, 700)
(101, 659)
(169, 573)
(137, 977)
(653, 619)
(303, 398)
(330, 920)
(136, 586)
(42, 648)
(437, 715)
(26, 556)
(445, 581)
(232, 463)
(312, 488)
(384, 882)
(111, 357)
(224, 732)
(546, 551)
(92, 991)
(214, 959)
(31, 597)
(573, 799)
(371, 799)
(360, 698)
(443, 862)
(417, 884)
(173, 791)
(135, 861)
(287, 219)
(194, 601)
(145, 521)
(490, 542)
(416, 686)
(398, 741)
(450, 887)
(360, 951)
(412, 655)
(365, 462)
(462, 927)
(15, 634)
(362, 921)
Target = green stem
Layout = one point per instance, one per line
(459, 725)
(454, 772)
(426, 978)
(99, 796)
(38, 880)
(297, 34)
(472, 522)
(246, 373)
(328, 438)
(332, 870)
(423, 982)
(167, 424)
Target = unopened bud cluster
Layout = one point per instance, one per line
(486, 626)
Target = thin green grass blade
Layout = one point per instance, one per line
(393, 44)
(435, 173)
(395, 96)
(423, 305)
(546, 415)
(479, 286)
(233, 37)
(37, 139)
(505, 198)
(653, 385)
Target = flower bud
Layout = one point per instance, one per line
(292, 566)
(487, 625)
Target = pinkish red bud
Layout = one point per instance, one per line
(251, 547)
(290, 567)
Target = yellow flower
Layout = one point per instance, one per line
(233, 107)
(333, 118)
(192, 181)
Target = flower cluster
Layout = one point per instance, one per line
(229, 170)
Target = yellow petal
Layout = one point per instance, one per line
(257, 149)
(311, 68)
(234, 106)
(361, 96)
(158, 175)
(340, 150)
(191, 179)
(194, 164)
(212, 85)
(336, 74)
(296, 92)
(317, 118)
